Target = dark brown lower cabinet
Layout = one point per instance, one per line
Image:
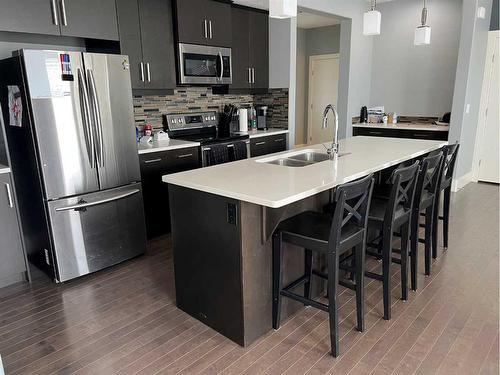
(153, 167)
(267, 145)
(401, 133)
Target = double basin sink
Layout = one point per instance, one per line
(298, 159)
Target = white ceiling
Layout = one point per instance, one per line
(309, 21)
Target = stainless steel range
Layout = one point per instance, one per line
(202, 127)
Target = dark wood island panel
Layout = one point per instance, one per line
(222, 260)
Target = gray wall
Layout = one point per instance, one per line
(416, 80)
(301, 96)
(311, 42)
(355, 56)
(468, 85)
(323, 40)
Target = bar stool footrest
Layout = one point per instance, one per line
(373, 275)
(305, 301)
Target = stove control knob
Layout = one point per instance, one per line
(212, 118)
(174, 121)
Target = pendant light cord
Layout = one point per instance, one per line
(374, 4)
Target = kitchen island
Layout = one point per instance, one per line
(223, 218)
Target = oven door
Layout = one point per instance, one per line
(204, 65)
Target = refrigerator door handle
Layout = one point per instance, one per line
(97, 117)
(83, 204)
(86, 116)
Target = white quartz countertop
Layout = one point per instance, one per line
(4, 169)
(405, 126)
(255, 181)
(264, 133)
(169, 144)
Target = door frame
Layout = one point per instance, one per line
(493, 36)
(310, 88)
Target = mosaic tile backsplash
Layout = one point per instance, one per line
(150, 109)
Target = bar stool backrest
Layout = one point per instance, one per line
(352, 205)
(450, 157)
(403, 189)
(428, 177)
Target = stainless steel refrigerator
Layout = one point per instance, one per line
(71, 137)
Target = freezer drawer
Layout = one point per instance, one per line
(98, 230)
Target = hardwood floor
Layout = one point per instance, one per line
(124, 320)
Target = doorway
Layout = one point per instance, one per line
(323, 90)
(487, 145)
(318, 51)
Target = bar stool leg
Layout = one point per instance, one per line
(308, 263)
(435, 224)
(386, 271)
(360, 286)
(404, 260)
(428, 240)
(333, 278)
(446, 215)
(277, 279)
(414, 250)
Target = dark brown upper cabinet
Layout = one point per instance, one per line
(94, 19)
(204, 22)
(146, 36)
(250, 48)
(84, 19)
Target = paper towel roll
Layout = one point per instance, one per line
(243, 114)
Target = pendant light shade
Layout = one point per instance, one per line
(423, 31)
(282, 8)
(372, 21)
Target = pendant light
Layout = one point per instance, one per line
(372, 21)
(423, 32)
(282, 8)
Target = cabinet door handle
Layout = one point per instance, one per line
(260, 143)
(206, 29)
(64, 18)
(375, 133)
(9, 196)
(253, 75)
(142, 71)
(148, 72)
(210, 29)
(152, 161)
(249, 75)
(184, 156)
(53, 8)
(279, 140)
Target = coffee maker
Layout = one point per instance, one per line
(262, 118)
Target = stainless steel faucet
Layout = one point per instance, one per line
(334, 150)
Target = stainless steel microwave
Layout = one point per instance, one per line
(204, 65)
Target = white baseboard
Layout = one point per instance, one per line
(461, 182)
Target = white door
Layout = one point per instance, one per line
(323, 90)
(489, 149)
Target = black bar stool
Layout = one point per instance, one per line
(450, 153)
(426, 191)
(386, 216)
(333, 236)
